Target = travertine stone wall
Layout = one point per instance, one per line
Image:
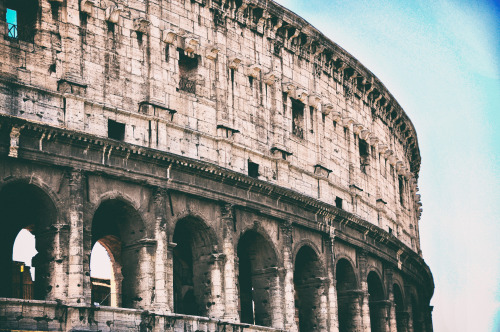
(121, 61)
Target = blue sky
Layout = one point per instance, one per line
(441, 61)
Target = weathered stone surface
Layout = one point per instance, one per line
(239, 168)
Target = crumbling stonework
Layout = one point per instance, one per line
(241, 170)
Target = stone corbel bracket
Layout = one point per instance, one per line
(271, 77)
(190, 45)
(373, 139)
(86, 6)
(364, 134)
(141, 25)
(234, 62)
(319, 49)
(382, 148)
(289, 87)
(381, 204)
(321, 171)
(327, 108)
(113, 14)
(279, 149)
(253, 70)
(301, 94)
(314, 100)
(170, 36)
(347, 121)
(357, 128)
(211, 51)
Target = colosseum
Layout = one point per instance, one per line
(242, 171)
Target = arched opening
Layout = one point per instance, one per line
(26, 207)
(192, 258)
(378, 313)
(416, 314)
(309, 286)
(118, 227)
(256, 279)
(102, 276)
(23, 274)
(400, 314)
(347, 297)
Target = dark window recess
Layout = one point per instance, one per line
(21, 17)
(364, 155)
(285, 104)
(116, 130)
(334, 124)
(401, 190)
(390, 230)
(338, 202)
(253, 169)
(188, 71)
(297, 118)
(311, 119)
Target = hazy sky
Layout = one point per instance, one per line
(441, 61)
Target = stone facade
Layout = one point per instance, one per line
(241, 170)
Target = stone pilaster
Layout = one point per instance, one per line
(289, 289)
(230, 288)
(76, 293)
(333, 318)
(365, 307)
(276, 297)
(217, 309)
(169, 267)
(160, 281)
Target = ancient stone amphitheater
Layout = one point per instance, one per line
(243, 172)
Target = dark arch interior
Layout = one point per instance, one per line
(347, 299)
(117, 225)
(25, 206)
(398, 301)
(257, 274)
(306, 277)
(377, 309)
(192, 255)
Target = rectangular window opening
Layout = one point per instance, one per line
(401, 190)
(311, 119)
(297, 118)
(253, 169)
(364, 155)
(338, 202)
(188, 70)
(21, 17)
(11, 18)
(116, 130)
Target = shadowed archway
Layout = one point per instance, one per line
(257, 278)
(26, 206)
(309, 284)
(118, 227)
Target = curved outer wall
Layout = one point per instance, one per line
(215, 126)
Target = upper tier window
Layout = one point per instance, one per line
(21, 19)
(364, 154)
(297, 118)
(188, 70)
